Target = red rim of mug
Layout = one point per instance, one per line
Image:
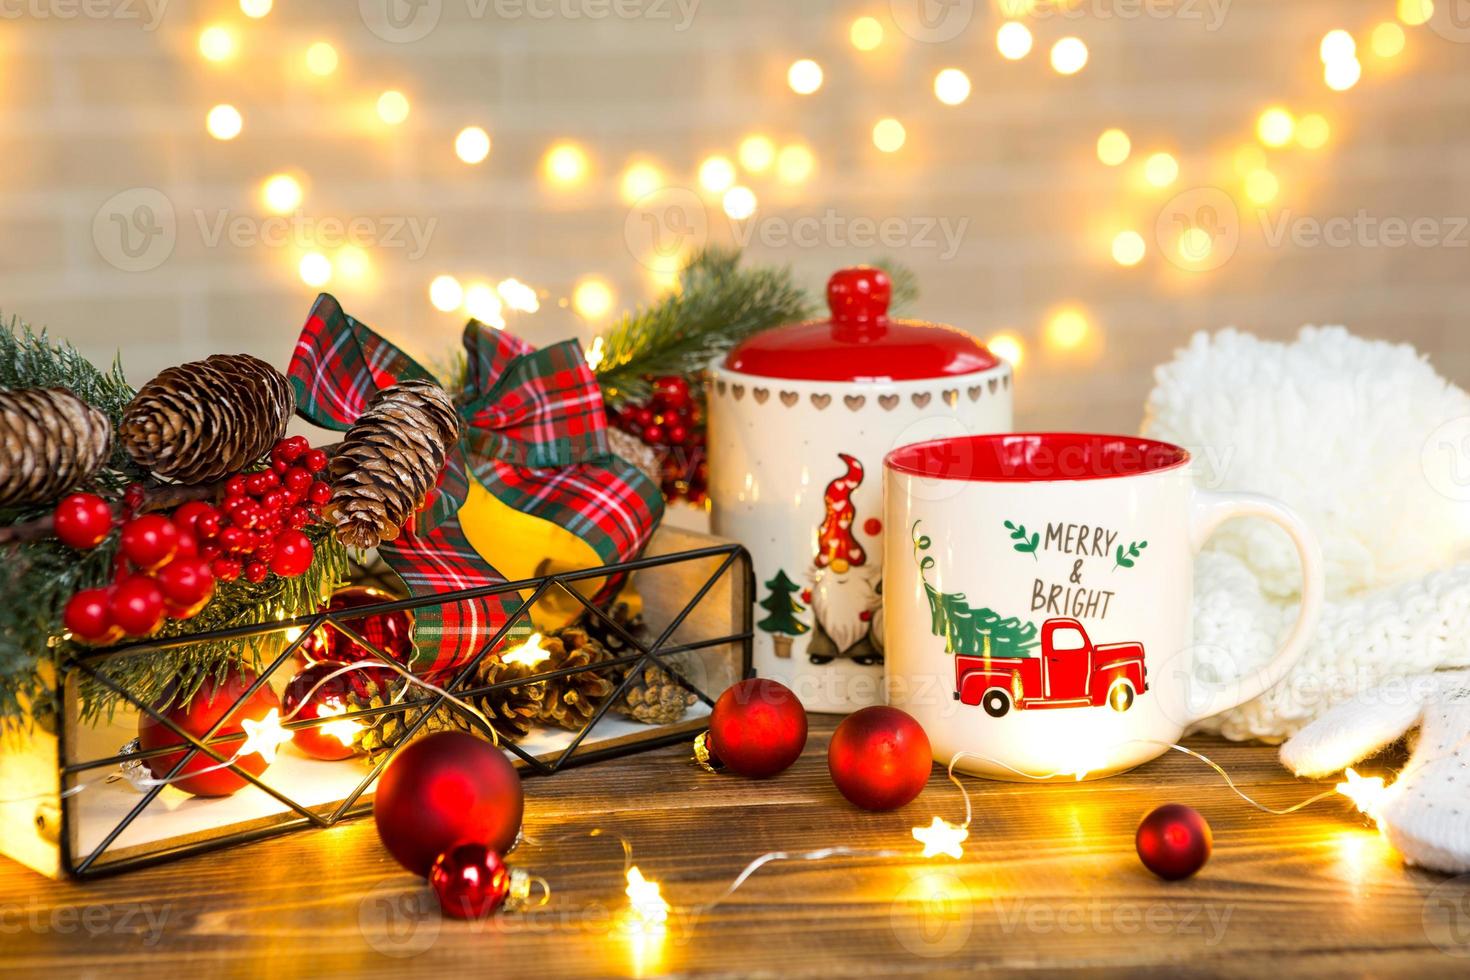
(1036, 457)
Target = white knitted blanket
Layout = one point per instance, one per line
(1372, 447)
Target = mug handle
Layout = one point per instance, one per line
(1208, 511)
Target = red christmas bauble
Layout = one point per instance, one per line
(879, 758)
(136, 605)
(83, 521)
(1174, 841)
(322, 700)
(758, 728)
(390, 632)
(149, 541)
(208, 705)
(471, 881)
(443, 789)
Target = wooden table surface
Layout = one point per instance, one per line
(1049, 881)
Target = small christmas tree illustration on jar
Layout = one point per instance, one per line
(782, 623)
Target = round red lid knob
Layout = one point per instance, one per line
(859, 295)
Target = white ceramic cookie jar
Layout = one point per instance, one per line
(800, 418)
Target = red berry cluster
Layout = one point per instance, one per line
(167, 565)
(261, 516)
(672, 421)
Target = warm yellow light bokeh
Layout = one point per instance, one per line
(483, 303)
(1067, 329)
(866, 33)
(518, 296)
(1275, 126)
(889, 135)
(804, 76)
(566, 164)
(795, 164)
(1388, 40)
(1313, 131)
(217, 43)
(1013, 40)
(1336, 45)
(739, 202)
(1249, 157)
(446, 293)
(472, 145)
(1342, 75)
(1261, 186)
(281, 193)
(393, 107)
(321, 58)
(757, 153)
(1161, 169)
(224, 122)
(1008, 346)
(1069, 55)
(593, 298)
(315, 269)
(640, 179)
(1415, 12)
(1128, 248)
(1195, 245)
(352, 264)
(951, 86)
(1113, 147)
(716, 174)
(255, 8)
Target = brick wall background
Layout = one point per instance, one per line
(99, 103)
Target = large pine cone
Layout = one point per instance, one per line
(511, 710)
(654, 697)
(389, 461)
(571, 700)
(50, 442)
(206, 419)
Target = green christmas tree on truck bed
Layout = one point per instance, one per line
(967, 630)
(782, 623)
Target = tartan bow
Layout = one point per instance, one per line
(534, 435)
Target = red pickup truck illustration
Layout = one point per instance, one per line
(1070, 672)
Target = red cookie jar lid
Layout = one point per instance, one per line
(859, 342)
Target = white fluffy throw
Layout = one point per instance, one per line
(1425, 812)
(1361, 438)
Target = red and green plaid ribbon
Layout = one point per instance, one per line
(534, 435)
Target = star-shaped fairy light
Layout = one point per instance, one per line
(942, 837)
(263, 737)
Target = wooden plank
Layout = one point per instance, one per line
(1049, 881)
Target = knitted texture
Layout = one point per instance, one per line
(1344, 430)
(1425, 813)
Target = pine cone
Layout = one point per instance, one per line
(511, 710)
(50, 442)
(571, 700)
(384, 732)
(389, 462)
(655, 698)
(206, 419)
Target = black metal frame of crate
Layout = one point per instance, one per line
(736, 560)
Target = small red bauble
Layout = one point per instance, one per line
(1174, 841)
(256, 571)
(323, 699)
(87, 618)
(83, 521)
(315, 461)
(390, 632)
(757, 728)
(470, 880)
(208, 705)
(136, 605)
(879, 758)
(187, 584)
(293, 554)
(443, 789)
(225, 569)
(149, 541)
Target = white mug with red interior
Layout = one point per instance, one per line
(1037, 591)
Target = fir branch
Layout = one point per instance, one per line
(904, 286)
(716, 306)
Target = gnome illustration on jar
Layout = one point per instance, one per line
(846, 592)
